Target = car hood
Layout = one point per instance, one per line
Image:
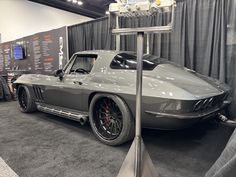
(179, 79)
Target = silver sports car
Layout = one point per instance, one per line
(100, 86)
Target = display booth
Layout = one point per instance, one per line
(199, 35)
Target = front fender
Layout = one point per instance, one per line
(25, 79)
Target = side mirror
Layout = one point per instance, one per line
(59, 73)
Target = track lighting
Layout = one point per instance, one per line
(78, 2)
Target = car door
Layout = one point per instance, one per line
(69, 92)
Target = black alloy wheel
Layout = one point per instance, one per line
(111, 119)
(26, 101)
(108, 119)
(23, 100)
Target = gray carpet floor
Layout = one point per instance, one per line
(42, 145)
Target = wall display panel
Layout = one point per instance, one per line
(1, 59)
(5, 57)
(42, 53)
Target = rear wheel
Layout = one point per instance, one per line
(26, 102)
(111, 119)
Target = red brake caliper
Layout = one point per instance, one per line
(108, 117)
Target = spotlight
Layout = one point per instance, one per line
(74, 1)
(69, 0)
(80, 3)
(107, 12)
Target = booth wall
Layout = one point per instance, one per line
(19, 18)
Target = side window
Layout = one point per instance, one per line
(124, 61)
(83, 64)
(128, 61)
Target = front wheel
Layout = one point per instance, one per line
(26, 102)
(110, 119)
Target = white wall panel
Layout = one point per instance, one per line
(19, 18)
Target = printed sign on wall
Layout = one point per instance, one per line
(41, 53)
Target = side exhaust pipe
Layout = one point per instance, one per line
(83, 120)
(225, 121)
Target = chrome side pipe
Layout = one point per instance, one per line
(83, 120)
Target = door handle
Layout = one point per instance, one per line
(78, 82)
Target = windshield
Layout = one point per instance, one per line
(129, 61)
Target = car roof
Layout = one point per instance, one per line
(112, 52)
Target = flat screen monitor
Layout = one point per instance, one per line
(18, 52)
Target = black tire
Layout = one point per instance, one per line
(115, 126)
(25, 100)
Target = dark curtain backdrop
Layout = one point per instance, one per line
(225, 165)
(199, 40)
(231, 50)
(92, 35)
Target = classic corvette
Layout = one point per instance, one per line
(100, 86)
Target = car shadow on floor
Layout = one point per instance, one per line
(192, 136)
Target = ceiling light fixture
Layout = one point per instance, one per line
(80, 3)
(69, 0)
(74, 1)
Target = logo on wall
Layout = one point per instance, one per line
(61, 54)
